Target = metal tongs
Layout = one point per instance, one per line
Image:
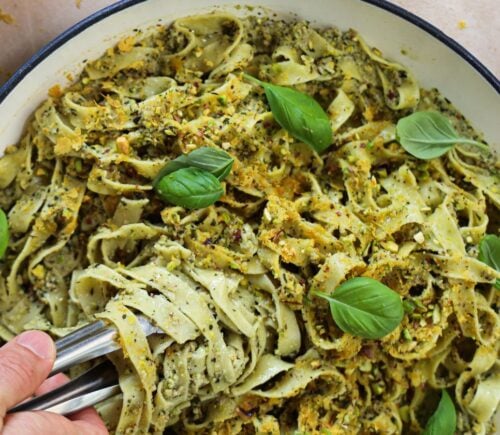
(93, 386)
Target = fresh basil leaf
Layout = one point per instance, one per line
(444, 419)
(217, 162)
(171, 166)
(4, 233)
(190, 187)
(489, 253)
(428, 135)
(365, 307)
(299, 114)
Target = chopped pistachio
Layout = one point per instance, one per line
(222, 99)
(436, 314)
(267, 216)
(365, 366)
(78, 165)
(173, 264)
(419, 304)
(378, 388)
(419, 238)
(390, 246)
(409, 306)
(406, 335)
(404, 413)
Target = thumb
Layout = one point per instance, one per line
(25, 362)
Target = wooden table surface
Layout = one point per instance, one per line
(473, 23)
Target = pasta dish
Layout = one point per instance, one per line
(333, 275)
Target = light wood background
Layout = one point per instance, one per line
(473, 23)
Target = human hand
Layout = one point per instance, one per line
(25, 363)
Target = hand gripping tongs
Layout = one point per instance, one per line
(93, 386)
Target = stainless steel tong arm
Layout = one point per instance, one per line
(97, 384)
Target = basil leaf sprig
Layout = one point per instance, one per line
(428, 135)
(365, 307)
(217, 162)
(4, 233)
(194, 180)
(190, 187)
(444, 419)
(489, 253)
(299, 114)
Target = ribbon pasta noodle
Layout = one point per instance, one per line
(246, 348)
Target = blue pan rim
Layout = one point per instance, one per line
(74, 30)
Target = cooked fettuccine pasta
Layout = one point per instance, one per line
(246, 347)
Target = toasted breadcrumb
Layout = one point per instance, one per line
(55, 91)
(126, 44)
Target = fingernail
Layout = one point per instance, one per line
(38, 343)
